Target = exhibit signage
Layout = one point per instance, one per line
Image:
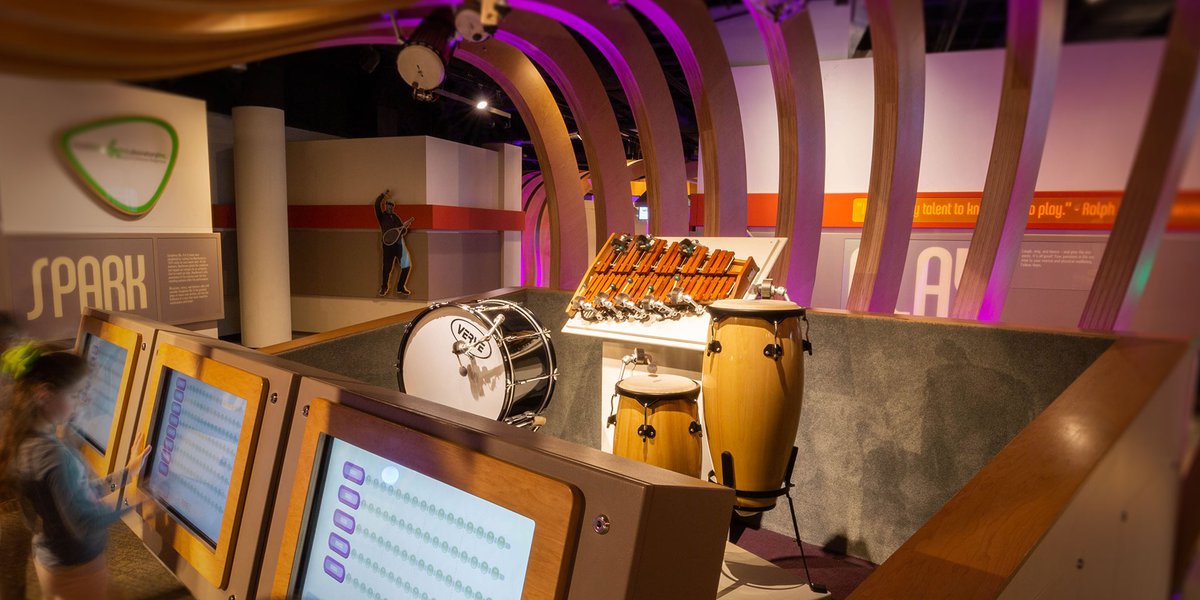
(934, 267)
(125, 161)
(174, 278)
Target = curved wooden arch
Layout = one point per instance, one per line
(898, 45)
(182, 22)
(693, 36)
(619, 37)
(637, 170)
(1154, 180)
(1035, 31)
(520, 80)
(572, 71)
(533, 199)
(800, 104)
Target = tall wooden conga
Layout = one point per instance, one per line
(657, 422)
(753, 377)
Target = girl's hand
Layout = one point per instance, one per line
(138, 454)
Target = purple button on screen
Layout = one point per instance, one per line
(335, 569)
(348, 497)
(179, 395)
(166, 455)
(339, 544)
(169, 444)
(176, 408)
(163, 468)
(344, 521)
(181, 384)
(171, 432)
(173, 419)
(354, 473)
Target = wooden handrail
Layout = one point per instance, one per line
(976, 543)
(1188, 531)
(404, 317)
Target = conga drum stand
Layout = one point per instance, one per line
(727, 472)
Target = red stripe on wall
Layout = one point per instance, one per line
(354, 216)
(959, 210)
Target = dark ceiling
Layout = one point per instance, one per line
(355, 92)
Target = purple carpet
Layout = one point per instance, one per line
(839, 573)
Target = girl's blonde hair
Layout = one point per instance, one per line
(32, 369)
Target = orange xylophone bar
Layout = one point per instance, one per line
(605, 257)
(654, 254)
(674, 258)
(667, 259)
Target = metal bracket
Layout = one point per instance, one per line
(714, 347)
(646, 431)
(774, 351)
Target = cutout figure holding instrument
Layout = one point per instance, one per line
(392, 244)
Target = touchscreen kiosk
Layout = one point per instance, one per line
(214, 414)
(103, 418)
(385, 511)
(383, 495)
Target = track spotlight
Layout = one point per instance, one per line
(481, 105)
(476, 20)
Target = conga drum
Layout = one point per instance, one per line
(657, 422)
(753, 378)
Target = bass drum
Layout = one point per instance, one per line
(491, 358)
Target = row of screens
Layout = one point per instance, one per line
(376, 528)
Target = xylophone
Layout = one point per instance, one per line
(643, 278)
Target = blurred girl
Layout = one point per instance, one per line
(60, 503)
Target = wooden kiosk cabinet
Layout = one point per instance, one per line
(381, 493)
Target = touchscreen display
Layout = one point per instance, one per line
(102, 388)
(196, 433)
(380, 530)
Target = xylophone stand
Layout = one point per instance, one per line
(728, 479)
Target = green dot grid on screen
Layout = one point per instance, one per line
(383, 530)
(197, 428)
(106, 366)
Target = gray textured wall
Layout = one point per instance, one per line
(898, 415)
(572, 414)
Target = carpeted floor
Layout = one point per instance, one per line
(139, 576)
(136, 573)
(839, 573)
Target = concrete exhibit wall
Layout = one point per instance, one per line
(572, 414)
(898, 414)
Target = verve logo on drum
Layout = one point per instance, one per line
(466, 332)
(114, 282)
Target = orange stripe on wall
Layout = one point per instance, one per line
(959, 210)
(353, 216)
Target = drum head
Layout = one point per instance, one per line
(655, 388)
(474, 381)
(779, 309)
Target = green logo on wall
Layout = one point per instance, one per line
(126, 161)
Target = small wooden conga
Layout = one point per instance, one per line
(657, 422)
(753, 378)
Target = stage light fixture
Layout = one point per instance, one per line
(423, 57)
(476, 20)
(481, 105)
(778, 10)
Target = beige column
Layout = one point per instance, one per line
(508, 158)
(260, 197)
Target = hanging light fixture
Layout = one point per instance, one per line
(778, 10)
(423, 58)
